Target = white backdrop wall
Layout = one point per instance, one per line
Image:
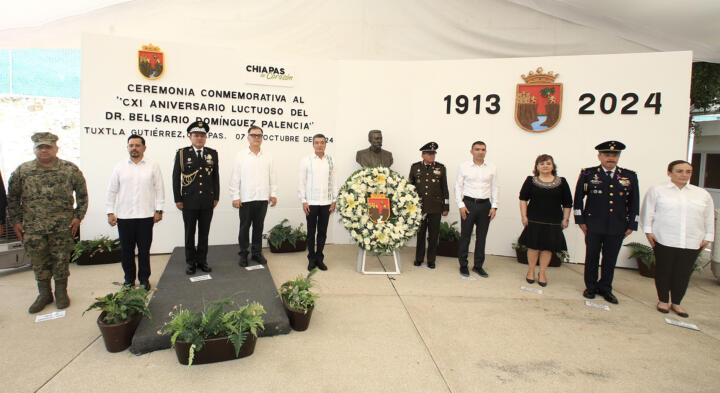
(404, 99)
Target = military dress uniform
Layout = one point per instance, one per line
(609, 206)
(196, 183)
(41, 200)
(430, 180)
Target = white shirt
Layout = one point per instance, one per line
(253, 177)
(476, 181)
(317, 180)
(679, 217)
(135, 190)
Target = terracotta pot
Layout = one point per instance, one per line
(448, 249)
(644, 270)
(103, 258)
(215, 350)
(118, 336)
(285, 246)
(522, 258)
(299, 320)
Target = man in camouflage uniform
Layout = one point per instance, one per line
(430, 179)
(40, 204)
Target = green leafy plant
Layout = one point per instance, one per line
(92, 247)
(283, 231)
(519, 247)
(122, 305)
(705, 85)
(448, 232)
(297, 293)
(213, 322)
(563, 256)
(642, 252)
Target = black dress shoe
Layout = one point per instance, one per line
(589, 293)
(417, 263)
(243, 261)
(204, 267)
(542, 284)
(529, 280)
(259, 258)
(320, 265)
(145, 284)
(680, 313)
(189, 269)
(480, 271)
(431, 265)
(610, 298)
(464, 271)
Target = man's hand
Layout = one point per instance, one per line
(112, 220)
(704, 244)
(179, 205)
(628, 232)
(583, 227)
(273, 201)
(19, 231)
(157, 217)
(651, 239)
(236, 203)
(565, 222)
(524, 221)
(306, 208)
(464, 212)
(74, 226)
(332, 207)
(445, 213)
(492, 213)
(215, 202)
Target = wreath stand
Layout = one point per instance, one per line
(362, 253)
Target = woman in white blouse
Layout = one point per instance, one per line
(678, 220)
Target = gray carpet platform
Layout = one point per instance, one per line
(174, 288)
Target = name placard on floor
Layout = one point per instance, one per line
(255, 267)
(686, 325)
(200, 278)
(597, 305)
(52, 315)
(471, 278)
(533, 290)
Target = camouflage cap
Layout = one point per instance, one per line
(44, 138)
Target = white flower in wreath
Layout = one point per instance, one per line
(365, 232)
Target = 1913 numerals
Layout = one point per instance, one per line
(462, 104)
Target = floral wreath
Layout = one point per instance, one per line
(383, 236)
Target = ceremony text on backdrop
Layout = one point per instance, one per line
(155, 89)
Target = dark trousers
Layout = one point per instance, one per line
(252, 213)
(477, 218)
(317, 220)
(135, 232)
(431, 225)
(200, 219)
(609, 246)
(673, 267)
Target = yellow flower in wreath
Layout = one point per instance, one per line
(410, 207)
(381, 236)
(380, 179)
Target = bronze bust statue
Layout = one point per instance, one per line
(374, 155)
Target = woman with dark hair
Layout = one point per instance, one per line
(679, 221)
(545, 203)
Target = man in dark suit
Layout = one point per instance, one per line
(3, 205)
(196, 187)
(430, 179)
(609, 214)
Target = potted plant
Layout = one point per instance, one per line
(299, 300)
(645, 258)
(284, 238)
(102, 250)
(557, 259)
(214, 335)
(448, 240)
(121, 314)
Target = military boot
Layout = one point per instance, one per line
(61, 296)
(44, 298)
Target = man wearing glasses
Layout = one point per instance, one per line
(253, 185)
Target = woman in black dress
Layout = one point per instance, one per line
(545, 203)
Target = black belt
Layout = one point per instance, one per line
(475, 200)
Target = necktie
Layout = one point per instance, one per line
(609, 174)
(199, 153)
